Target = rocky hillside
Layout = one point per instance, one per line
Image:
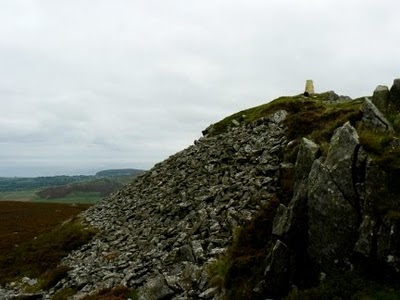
(298, 198)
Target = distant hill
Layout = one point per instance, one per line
(66, 189)
(119, 172)
(103, 187)
(9, 184)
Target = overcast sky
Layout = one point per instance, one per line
(88, 85)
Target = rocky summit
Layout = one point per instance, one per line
(297, 198)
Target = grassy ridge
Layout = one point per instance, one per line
(23, 184)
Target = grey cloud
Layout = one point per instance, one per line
(88, 84)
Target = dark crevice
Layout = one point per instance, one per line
(357, 176)
(340, 190)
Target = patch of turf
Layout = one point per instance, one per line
(64, 294)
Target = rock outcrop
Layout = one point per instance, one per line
(374, 119)
(394, 96)
(381, 97)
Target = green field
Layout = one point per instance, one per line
(65, 189)
(31, 196)
(75, 197)
(26, 196)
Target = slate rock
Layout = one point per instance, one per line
(156, 289)
(380, 98)
(333, 202)
(342, 152)
(373, 119)
(394, 96)
(308, 152)
(367, 236)
(333, 221)
(209, 293)
(277, 271)
(388, 241)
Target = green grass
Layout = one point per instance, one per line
(74, 197)
(36, 257)
(307, 115)
(31, 196)
(26, 195)
(64, 294)
(88, 190)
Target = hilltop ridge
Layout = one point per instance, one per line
(295, 198)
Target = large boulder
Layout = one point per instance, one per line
(394, 96)
(373, 119)
(379, 234)
(339, 161)
(388, 240)
(156, 289)
(308, 152)
(381, 97)
(277, 272)
(333, 211)
(289, 220)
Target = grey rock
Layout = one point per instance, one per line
(290, 221)
(198, 250)
(185, 253)
(333, 202)
(333, 222)
(29, 281)
(373, 119)
(367, 235)
(388, 242)
(277, 271)
(343, 150)
(343, 98)
(235, 123)
(281, 223)
(394, 96)
(156, 289)
(209, 293)
(279, 116)
(308, 152)
(332, 96)
(381, 97)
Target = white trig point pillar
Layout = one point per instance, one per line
(309, 87)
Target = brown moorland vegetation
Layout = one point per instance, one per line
(35, 237)
(23, 221)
